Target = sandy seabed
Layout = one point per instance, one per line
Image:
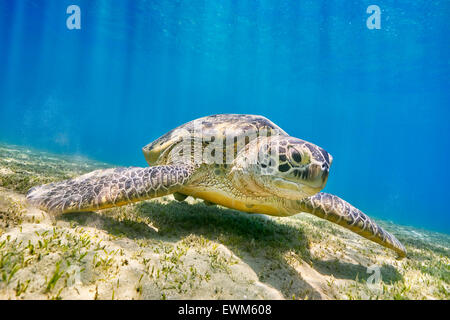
(164, 249)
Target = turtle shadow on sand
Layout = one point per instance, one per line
(351, 271)
(260, 243)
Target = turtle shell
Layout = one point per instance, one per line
(227, 127)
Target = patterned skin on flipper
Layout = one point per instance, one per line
(336, 210)
(102, 189)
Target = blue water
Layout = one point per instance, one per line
(377, 100)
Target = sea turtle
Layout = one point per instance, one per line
(244, 162)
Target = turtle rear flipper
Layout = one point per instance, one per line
(102, 189)
(334, 209)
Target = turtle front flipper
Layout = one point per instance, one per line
(334, 209)
(102, 189)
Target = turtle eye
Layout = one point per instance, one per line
(295, 155)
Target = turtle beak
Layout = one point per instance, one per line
(325, 172)
(148, 155)
(318, 174)
(326, 169)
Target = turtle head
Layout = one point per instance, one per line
(284, 166)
